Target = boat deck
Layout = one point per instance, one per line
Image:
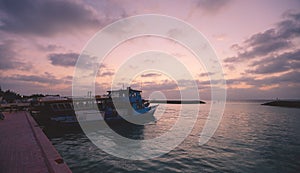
(25, 148)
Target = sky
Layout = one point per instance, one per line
(257, 43)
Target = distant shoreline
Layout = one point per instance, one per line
(281, 103)
(178, 101)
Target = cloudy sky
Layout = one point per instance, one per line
(257, 42)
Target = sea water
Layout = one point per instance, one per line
(249, 138)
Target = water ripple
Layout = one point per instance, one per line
(250, 138)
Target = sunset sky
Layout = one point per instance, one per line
(257, 43)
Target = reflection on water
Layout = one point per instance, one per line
(250, 138)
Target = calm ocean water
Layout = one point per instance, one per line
(250, 138)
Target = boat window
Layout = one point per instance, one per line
(54, 107)
(61, 106)
(68, 106)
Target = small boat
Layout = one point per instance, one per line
(116, 106)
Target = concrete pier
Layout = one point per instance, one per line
(25, 148)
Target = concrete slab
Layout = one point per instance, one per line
(25, 148)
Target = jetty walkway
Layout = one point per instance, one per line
(25, 148)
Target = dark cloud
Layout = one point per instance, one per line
(9, 57)
(151, 75)
(276, 65)
(282, 92)
(284, 62)
(89, 62)
(285, 85)
(291, 26)
(44, 83)
(22, 87)
(63, 59)
(107, 73)
(268, 42)
(48, 48)
(109, 10)
(283, 80)
(260, 44)
(247, 80)
(45, 17)
(206, 74)
(288, 80)
(45, 78)
(269, 52)
(210, 6)
(153, 86)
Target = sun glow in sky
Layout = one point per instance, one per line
(257, 43)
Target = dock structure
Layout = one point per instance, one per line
(25, 148)
(14, 106)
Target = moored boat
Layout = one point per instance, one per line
(124, 105)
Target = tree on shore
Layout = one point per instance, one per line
(9, 96)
